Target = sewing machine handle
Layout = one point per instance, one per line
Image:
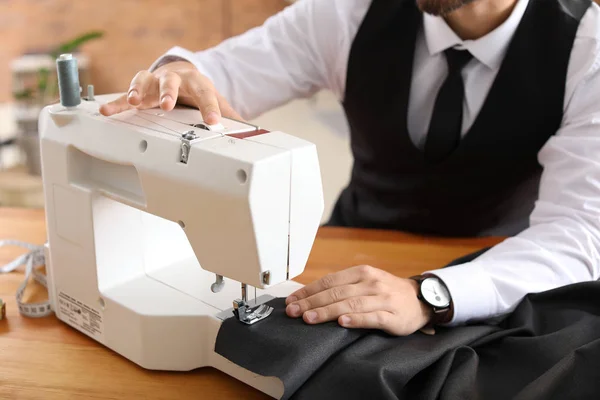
(115, 180)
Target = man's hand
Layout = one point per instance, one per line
(172, 83)
(362, 297)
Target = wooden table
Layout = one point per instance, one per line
(19, 188)
(46, 359)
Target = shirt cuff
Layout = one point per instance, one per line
(178, 54)
(473, 292)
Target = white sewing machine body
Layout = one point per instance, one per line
(137, 230)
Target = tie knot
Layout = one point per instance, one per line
(457, 59)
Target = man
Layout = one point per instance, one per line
(467, 118)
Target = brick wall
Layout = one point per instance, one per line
(137, 31)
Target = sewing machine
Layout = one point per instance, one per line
(160, 225)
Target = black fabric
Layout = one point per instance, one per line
(548, 348)
(489, 184)
(282, 346)
(446, 121)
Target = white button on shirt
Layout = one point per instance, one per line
(305, 49)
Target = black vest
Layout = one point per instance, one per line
(489, 185)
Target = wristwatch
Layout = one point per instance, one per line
(434, 293)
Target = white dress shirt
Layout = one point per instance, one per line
(305, 49)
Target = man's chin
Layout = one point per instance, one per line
(441, 8)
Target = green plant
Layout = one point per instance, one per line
(46, 87)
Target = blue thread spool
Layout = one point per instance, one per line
(68, 80)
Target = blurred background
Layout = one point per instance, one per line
(113, 39)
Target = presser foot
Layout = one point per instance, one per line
(250, 315)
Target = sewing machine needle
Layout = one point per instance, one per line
(254, 295)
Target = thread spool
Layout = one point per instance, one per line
(68, 80)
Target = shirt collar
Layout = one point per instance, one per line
(489, 49)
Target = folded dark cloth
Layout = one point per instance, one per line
(548, 348)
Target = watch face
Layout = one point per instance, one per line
(435, 293)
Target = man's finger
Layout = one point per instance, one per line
(202, 93)
(169, 90)
(353, 305)
(345, 277)
(381, 320)
(325, 298)
(226, 110)
(116, 106)
(139, 87)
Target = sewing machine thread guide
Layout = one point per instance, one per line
(186, 138)
(266, 277)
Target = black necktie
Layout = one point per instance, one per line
(446, 122)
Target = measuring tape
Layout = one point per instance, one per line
(32, 260)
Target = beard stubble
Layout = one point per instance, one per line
(441, 7)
